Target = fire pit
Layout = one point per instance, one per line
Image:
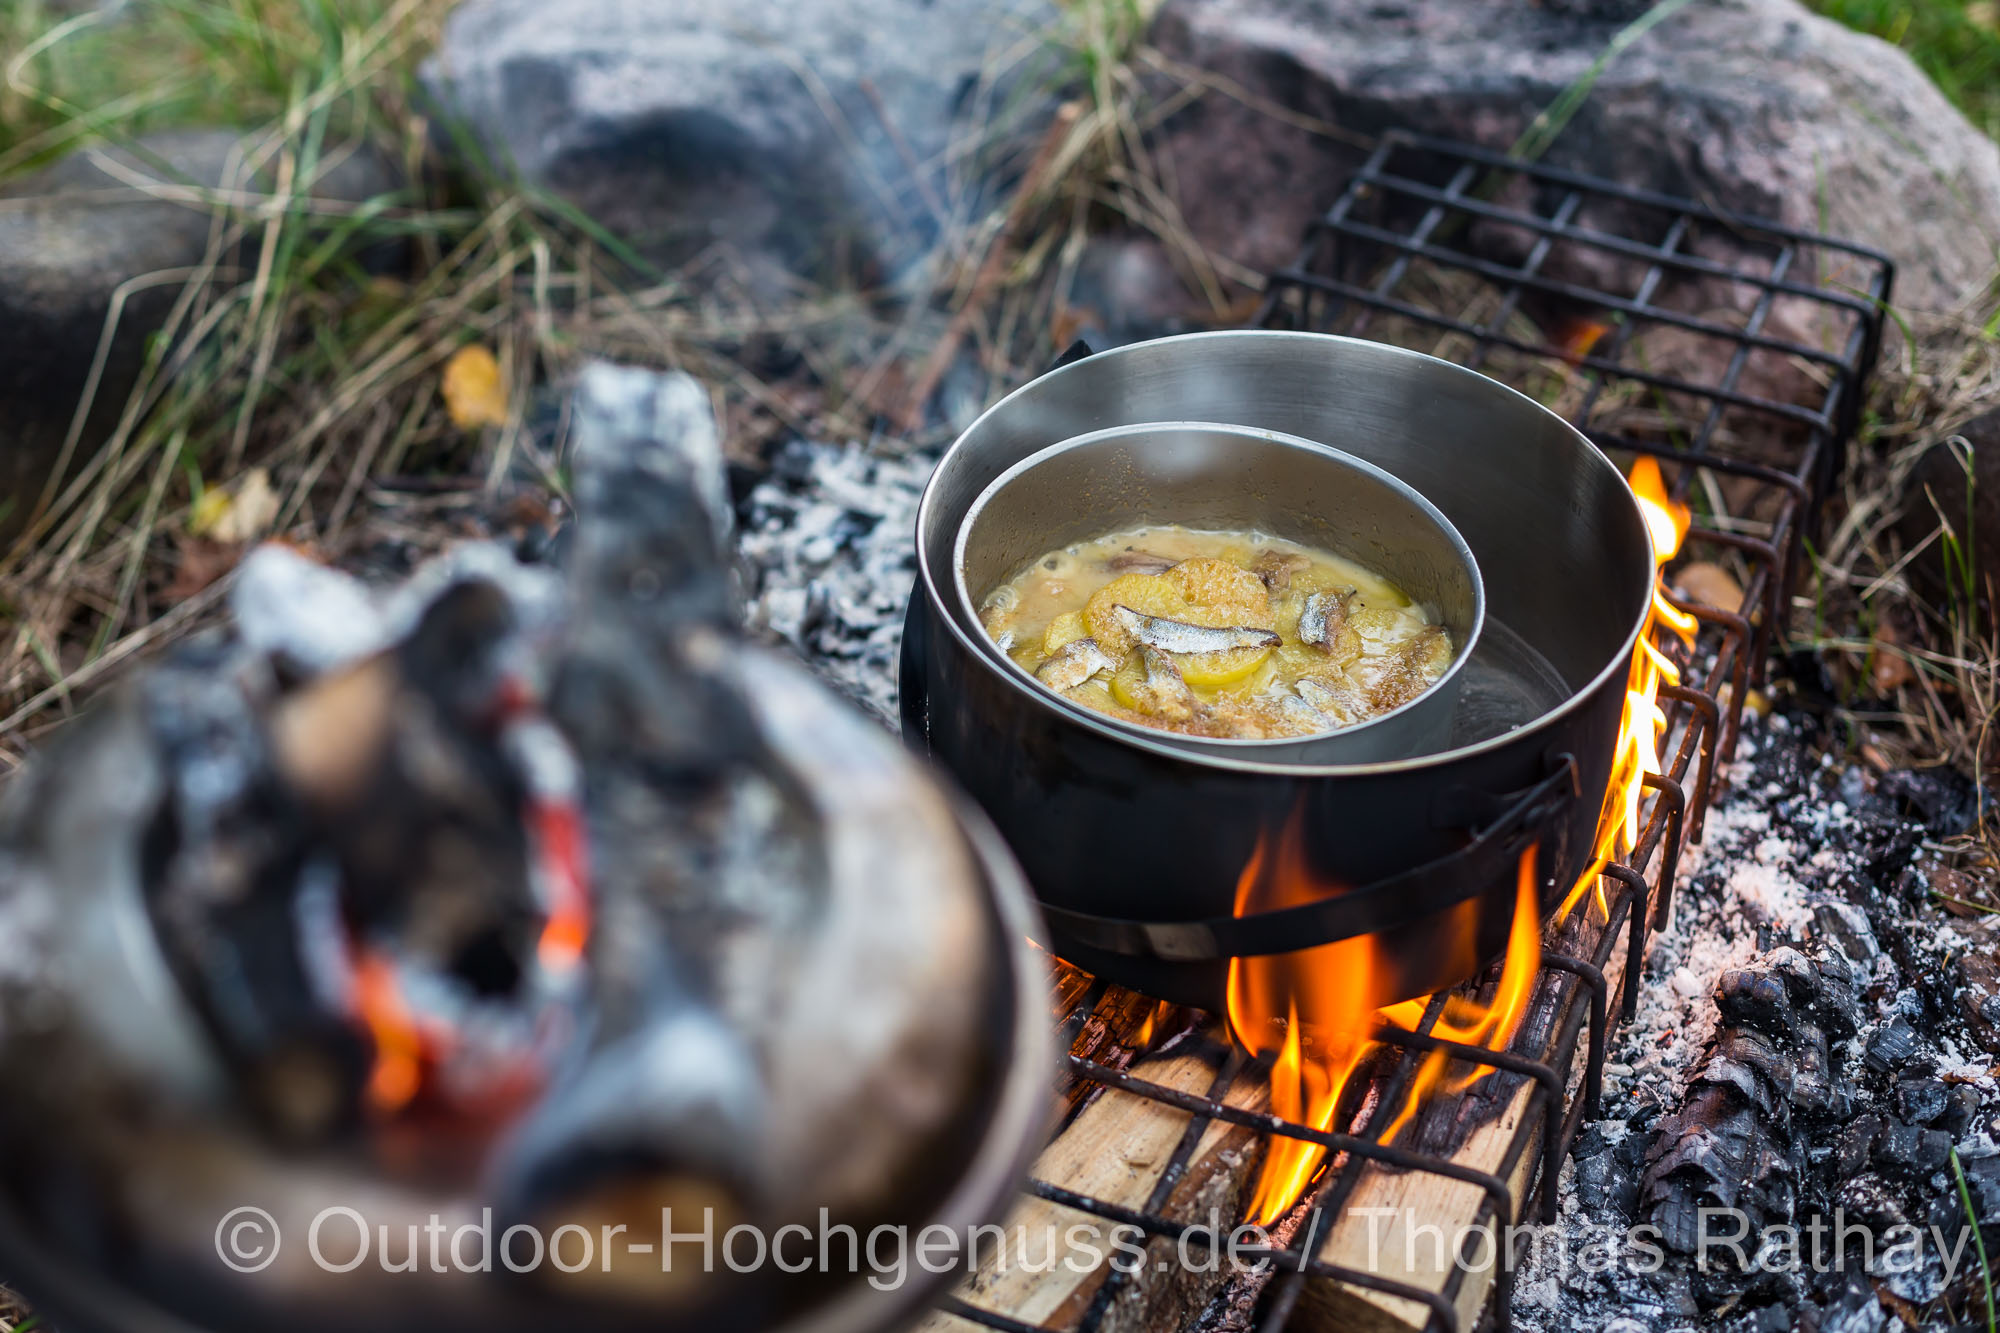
(1298, 1099)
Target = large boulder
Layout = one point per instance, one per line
(1753, 106)
(72, 238)
(826, 136)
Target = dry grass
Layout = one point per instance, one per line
(1903, 621)
(285, 358)
(280, 353)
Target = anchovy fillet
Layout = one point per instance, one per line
(1298, 713)
(1164, 693)
(1139, 562)
(1325, 615)
(1338, 706)
(1074, 663)
(1177, 636)
(1276, 569)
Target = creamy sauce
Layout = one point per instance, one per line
(1224, 634)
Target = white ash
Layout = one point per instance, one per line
(829, 555)
(1739, 877)
(1781, 860)
(319, 617)
(284, 602)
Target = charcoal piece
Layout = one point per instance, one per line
(1813, 977)
(1921, 1100)
(647, 573)
(1961, 1106)
(1890, 1046)
(817, 893)
(1773, 1318)
(1607, 1186)
(1899, 1145)
(1814, 1087)
(1716, 1152)
(1856, 1146)
(1945, 800)
(410, 790)
(1853, 1307)
(1871, 1201)
(1749, 1063)
(1846, 927)
(226, 868)
(1977, 970)
(1982, 1182)
(1733, 1142)
(1755, 999)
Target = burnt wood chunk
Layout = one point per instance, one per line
(1736, 1141)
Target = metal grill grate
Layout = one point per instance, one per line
(1733, 351)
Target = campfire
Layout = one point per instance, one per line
(1316, 1002)
(1341, 1125)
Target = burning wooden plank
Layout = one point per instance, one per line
(1407, 1225)
(1121, 1149)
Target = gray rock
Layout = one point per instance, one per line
(73, 235)
(1753, 106)
(824, 134)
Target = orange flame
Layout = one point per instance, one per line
(560, 839)
(1637, 754)
(1312, 1007)
(1489, 1025)
(1315, 1009)
(1142, 1036)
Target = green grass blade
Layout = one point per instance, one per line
(1978, 1240)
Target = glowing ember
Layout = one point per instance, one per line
(560, 840)
(417, 1045)
(399, 1047)
(1310, 1009)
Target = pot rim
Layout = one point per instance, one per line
(1231, 762)
(1428, 697)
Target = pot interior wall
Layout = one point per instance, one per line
(1220, 478)
(1559, 544)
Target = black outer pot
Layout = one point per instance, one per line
(1135, 846)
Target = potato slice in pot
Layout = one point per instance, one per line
(1218, 583)
(1212, 671)
(1064, 630)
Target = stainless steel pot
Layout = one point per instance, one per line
(1191, 473)
(1135, 844)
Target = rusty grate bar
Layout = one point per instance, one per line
(1416, 252)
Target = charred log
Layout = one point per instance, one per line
(1739, 1141)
